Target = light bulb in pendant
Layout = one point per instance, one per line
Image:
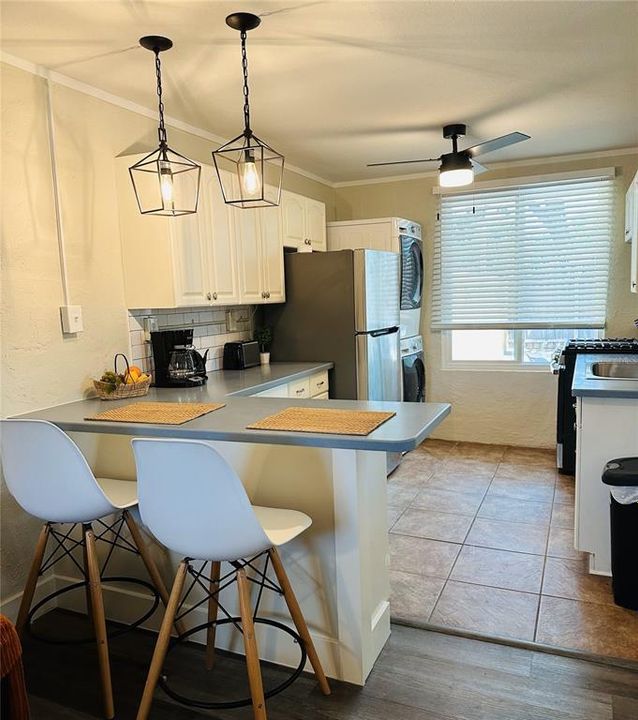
(249, 177)
(166, 182)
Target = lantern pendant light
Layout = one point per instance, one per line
(165, 182)
(249, 170)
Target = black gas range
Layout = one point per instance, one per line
(563, 364)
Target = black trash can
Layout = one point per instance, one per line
(622, 474)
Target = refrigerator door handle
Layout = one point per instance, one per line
(385, 331)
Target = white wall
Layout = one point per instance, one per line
(514, 407)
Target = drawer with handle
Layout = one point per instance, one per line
(299, 388)
(318, 383)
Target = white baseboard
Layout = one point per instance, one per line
(10, 605)
(125, 605)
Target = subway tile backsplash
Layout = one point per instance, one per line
(209, 331)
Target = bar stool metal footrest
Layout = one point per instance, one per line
(66, 544)
(264, 582)
(227, 704)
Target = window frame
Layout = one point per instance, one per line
(516, 365)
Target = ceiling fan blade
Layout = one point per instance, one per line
(403, 162)
(496, 143)
(477, 167)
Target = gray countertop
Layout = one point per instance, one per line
(257, 379)
(411, 425)
(584, 385)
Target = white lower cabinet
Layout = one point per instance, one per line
(314, 387)
(607, 428)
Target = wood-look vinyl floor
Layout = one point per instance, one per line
(420, 675)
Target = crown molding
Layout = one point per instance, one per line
(92, 91)
(86, 89)
(544, 160)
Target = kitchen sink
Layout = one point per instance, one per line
(615, 370)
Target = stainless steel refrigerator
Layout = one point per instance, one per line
(343, 306)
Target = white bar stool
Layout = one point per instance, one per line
(194, 503)
(49, 477)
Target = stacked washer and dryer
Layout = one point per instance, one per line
(404, 237)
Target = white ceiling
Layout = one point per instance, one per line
(337, 84)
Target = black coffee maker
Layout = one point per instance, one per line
(177, 363)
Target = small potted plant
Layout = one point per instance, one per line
(264, 338)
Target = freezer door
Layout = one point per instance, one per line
(379, 366)
(377, 289)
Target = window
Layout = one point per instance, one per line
(519, 269)
(529, 348)
(529, 256)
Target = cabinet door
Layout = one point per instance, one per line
(293, 219)
(218, 219)
(190, 260)
(272, 255)
(247, 229)
(316, 224)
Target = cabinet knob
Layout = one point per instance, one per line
(215, 296)
(307, 241)
(263, 294)
(208, 296)
(268, 293)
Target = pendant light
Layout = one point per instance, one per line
(249, 170)
(165, 182)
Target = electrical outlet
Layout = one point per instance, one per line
(71, 316)
(150, 325)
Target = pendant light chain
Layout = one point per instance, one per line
(244, 65)
(161, 130)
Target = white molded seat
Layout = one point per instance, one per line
(281, 526)
(50, 478)
(193, 501)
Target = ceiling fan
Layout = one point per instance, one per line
(459, 166)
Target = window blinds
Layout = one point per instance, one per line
(527, 256)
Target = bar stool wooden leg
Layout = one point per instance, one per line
(299, 620)
(161, 645)
(32, 579)
(212, 614)
(150, 564)
(87, 589)
(99, 621)
(250, 648)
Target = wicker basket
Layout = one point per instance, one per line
(108, 391)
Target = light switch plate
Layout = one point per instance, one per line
(71, 316)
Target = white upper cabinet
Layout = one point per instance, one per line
(221, 255)
(272, 255)
(219, 220)
(303, 222)
(261, 256)
(251, 285)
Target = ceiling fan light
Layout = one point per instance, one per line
(456, 170)
(456, 178)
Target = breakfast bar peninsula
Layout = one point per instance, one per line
(339, 568)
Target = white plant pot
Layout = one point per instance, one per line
(264, 358)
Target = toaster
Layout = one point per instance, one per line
(241, 355)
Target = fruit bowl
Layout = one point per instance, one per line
(120, 386)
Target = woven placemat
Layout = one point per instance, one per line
(157, 413)
(323, 420)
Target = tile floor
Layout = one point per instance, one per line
(481, 539)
